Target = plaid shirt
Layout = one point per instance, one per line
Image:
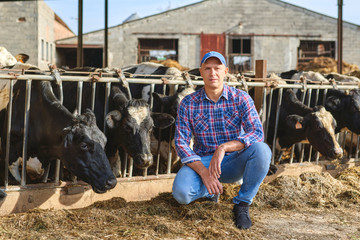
(232, 117)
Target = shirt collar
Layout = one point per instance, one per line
(224, 94)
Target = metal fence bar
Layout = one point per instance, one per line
(152, 87)
(169, 162)
(308, 104)
(357, 148)
(93, 93)
(57, 162)
(279, 100)
(263, 109)
(153, 82)
(268, 112)
(106, 107)
(125, 164)
(79, 97)
(8, 130)
(26, 131)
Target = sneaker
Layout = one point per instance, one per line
(242, 216)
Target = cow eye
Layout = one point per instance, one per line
(84, 147)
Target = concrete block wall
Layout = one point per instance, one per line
(61, 31)
(46, 33)
(23, 25)
(275, 27)
(19, 36)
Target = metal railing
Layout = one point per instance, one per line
(268, 86)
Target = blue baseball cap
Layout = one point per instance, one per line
(215, 55)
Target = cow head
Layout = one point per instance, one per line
(345, 107)
(131, 127)
(318, 127)
(170, 104)
(83, 153)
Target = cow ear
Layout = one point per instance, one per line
(67, 136)
(295, 121)
(156, 97)
(162, 120)
(333, 103)
(112, 118)
(89, 117)
(162, 100)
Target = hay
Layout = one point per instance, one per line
(326, 65)
(163, 218)
(171, 63)
(355, 74)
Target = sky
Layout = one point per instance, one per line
(119, 10)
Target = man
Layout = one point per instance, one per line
(228, 142)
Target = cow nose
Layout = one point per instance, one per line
(147, 159)
(339, 152)
(111, 183)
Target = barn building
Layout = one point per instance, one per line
(243, 30)
(31, 27)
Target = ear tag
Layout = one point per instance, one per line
(298, 125)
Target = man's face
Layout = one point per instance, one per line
(213, 73)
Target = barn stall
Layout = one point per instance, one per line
(60, 194)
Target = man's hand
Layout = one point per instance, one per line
(215, 163)
(212, 184)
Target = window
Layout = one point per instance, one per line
(21, 19)
(51, 53)
(308, 50)
(42, 50)
(240, 55)
(157, 49)
(47, 51)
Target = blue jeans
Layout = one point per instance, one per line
(250, 164)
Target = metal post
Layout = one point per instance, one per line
(26, 131)
(79, 96)
(260, 72)
(105, 62)
(8, 131)
(106, 107)
(93, 93)
(279, 101)
(80, 57)
(340, 33)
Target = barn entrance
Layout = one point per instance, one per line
(66, 55)
(157, 49)
(308, 50)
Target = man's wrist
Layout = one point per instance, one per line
(222, 147)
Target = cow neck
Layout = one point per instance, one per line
(297, 106)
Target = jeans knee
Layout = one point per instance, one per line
(181, 196)
(262, 152)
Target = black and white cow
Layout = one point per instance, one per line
(129, 122)
(342, 77)
(299, 123)
(344, 105)
(142, 91)
(309, 75)
(168, 104)
(55, 133)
